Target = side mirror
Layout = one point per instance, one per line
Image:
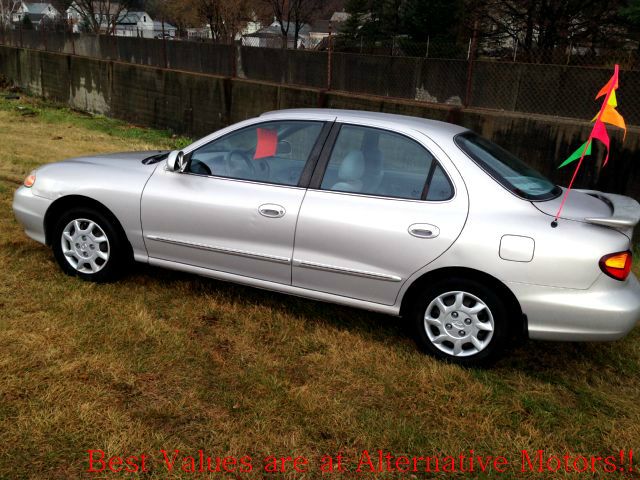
(176, 161)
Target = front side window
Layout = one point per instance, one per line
(271, 152)
(511, 172)
(378, 162)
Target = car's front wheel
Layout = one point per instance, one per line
(461, 321)
(86, 243)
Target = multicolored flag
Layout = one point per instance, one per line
(607, 114)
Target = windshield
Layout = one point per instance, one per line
(507, 169)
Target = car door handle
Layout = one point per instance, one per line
(270, 210)
(424, 230)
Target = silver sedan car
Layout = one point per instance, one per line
(398, 215)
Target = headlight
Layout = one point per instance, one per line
(30, 180)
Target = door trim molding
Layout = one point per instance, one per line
(227, 251)
(346, 271)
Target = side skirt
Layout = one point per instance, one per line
(277, 287)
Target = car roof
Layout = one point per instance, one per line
(428, 126)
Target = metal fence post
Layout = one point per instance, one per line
(164, 47)
(234, 58)
(73, 40)
(471, 60)
(329, 57)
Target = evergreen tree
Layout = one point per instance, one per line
(27, 24)
(357, 10)
(432, 18)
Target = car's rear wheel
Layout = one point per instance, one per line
(461, 321)
(87, 244)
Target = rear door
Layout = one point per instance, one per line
(381, 205)
(235, 207)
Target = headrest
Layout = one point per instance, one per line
(352, 167)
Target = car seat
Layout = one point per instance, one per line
(350, 173)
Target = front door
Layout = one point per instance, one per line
(235, 207)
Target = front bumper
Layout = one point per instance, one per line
(30, 210)
(608, 310)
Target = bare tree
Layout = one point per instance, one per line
(225, 17)
(294, 14)
(282, 12)
(7, 9)
(304, 12)
(544, 25)
(182, 13)
(100, 16)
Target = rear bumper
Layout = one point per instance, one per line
(30, 210)
(608, 310)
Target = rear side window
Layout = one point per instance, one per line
(378, 162)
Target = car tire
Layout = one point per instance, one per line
(461, 321)
(90, 245)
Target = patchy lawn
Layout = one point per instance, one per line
(162, 360)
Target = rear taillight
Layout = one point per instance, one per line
(617, 265)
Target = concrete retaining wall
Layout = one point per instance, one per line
(198, 104)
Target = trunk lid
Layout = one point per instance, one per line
(598, 208)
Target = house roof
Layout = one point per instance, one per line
(132, 18)
(35, 17)
(98, 8)
(39, 8)
(274, 30)
(321, 26)
(340, 17)
(158, 26)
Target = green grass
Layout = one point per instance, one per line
(166, 360)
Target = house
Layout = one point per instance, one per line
(199, 33)
(164, 28)
(38, 13)
(135, 24)
(251, 25)
(271, 36)
(320, 29)
(105, 14)
(128, 23)
(140, 24)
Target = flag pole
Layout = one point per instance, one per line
(612, 87)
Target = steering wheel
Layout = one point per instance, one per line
(238, 162)
(263, 167)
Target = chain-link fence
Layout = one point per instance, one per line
(470, 76)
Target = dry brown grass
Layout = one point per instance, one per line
(164, 360)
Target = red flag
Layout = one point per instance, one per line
(600, 133)
(267, 143)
